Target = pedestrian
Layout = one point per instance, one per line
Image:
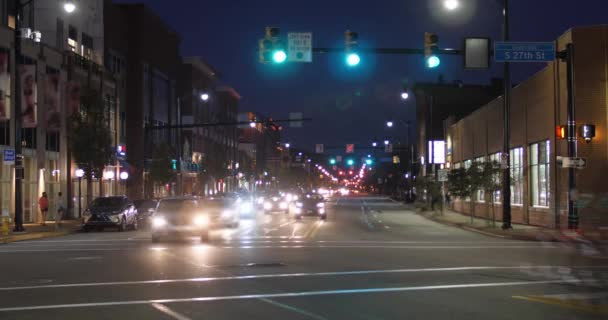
(43, 203)
(60, 211)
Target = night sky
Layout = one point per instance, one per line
(350, 105)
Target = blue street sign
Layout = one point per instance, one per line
(8, 156)
(524, 51)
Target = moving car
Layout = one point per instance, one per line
(222, 212)
(310, 204)
(275, 202)
(110, 212)
(180, 216)
(145, 209)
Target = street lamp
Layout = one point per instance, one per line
(16, 112)
(79, 174)
(287, 145)
(374, 144)
(252, 124)
(386, 142)
(124, 175)
(389, 124)
(405, 95)
(451, 4)
(204, 96)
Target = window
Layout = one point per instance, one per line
(539, 173)
(517, 175)
(73, 39)
(481, 194)
(28, 138)
(495, 158)
(11, 21)
(87, 46)
(468, 163)
(457, 165)
(5, 134)
(52, 141)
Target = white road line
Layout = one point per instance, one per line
(293, 309)
(291, 294)
(166, 310)
(287, 275)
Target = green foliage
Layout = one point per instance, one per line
(90, 138)
(490, 177)
(459, 183)
(161, 171)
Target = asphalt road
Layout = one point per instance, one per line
(372, 259)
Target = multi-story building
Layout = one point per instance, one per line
(67, 58)
(139, 45)
(539, 188)
(261, 144)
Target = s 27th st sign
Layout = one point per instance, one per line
(524, 51)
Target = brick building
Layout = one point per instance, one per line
(539, 104)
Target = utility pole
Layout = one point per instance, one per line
(506, 173)
(19, 170)
(568, 56)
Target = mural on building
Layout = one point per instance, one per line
(51, 102)
(28, 96)
(5, 87)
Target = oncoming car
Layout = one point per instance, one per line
(276, 203)
(310, 205)
(222, 212)
(110, 212)
(179, 217)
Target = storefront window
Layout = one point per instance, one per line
(539, 173)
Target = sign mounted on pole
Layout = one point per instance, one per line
(350, 148)
(578, 163)
(8, 156)
(524, 51)
(319, 148)
(299, 47)
(442, 175)
(295, 119)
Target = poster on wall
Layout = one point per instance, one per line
(51, 102)
(73, 97)
(5, 87)
(28, 95)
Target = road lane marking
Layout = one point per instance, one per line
(291, 294)
(308, 233)
(293, 309)
(286, 275)
(566, 303)
(166, 310)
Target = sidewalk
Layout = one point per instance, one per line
(519, 231)
(37, 231)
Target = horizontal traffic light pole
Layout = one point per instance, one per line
(452, 52)
(222, 124)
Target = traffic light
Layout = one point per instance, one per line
(272, 49)
(560, 132)
(431, 48)
(369, 162)
(332, 161)
(350, 48)
(350, 162)
(173, 164)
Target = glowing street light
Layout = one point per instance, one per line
(386, 142)
(451, 4)
(124, 175)
(69, 6)
(79, 173)
(252, 124)
(389, 124)
(287, 145)
(405, 95)
(204, 96)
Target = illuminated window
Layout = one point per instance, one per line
(539, 173)
(481, 194)
(516, 166)
(11, 22)
(495, 158)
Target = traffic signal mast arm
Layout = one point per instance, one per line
(407, 51)
(224, 124)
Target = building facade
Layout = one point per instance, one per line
(539, 183)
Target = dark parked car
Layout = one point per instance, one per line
(181, 216)
(110, 212)
(311, 204)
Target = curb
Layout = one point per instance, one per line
(36, 236)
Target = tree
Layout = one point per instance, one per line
(161, 171)
(90, 138)
(431, 187)
(491, 183)
(464, 183)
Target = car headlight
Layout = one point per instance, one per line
(295, 198)
(320, 205)
(260, 200)
(322, 211)
(201, 220)
(246, 207)
(227, 213)
(114, 218)
(298, 211)
(267, 205)
(158, 222)
(283, 205)
(299, 204)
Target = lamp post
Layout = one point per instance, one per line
(69, 7)
(79, 174)
(452, 5)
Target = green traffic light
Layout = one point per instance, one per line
(368, 162)
(433, 62)
(353, 59)
(350, 162)
(279, 56)
(332, 161)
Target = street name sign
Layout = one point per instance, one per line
(319, 148)
(573, 162)
(299, 47)
(8, 156)
(442, 175)
(524, 51)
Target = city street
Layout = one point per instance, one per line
(372, 259)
